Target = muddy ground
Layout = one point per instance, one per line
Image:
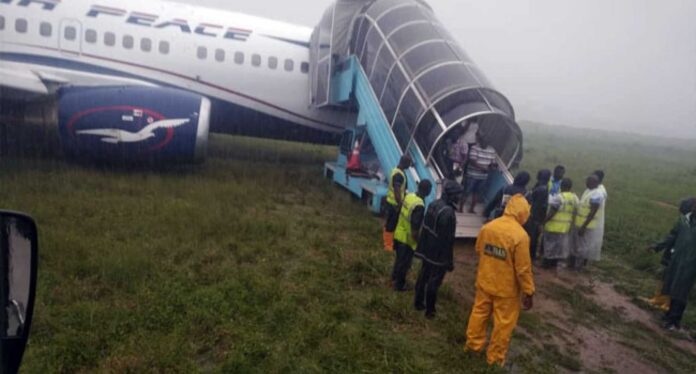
(583, 324)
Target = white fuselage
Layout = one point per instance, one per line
(252, 62)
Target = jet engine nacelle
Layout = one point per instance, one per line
(133, 124)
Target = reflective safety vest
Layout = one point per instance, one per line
(391, 196)
(561, 221)
(403, 227)
(584, 210)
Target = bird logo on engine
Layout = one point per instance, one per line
(115, 136)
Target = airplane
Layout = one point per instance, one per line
(97, 65)
(103, 73)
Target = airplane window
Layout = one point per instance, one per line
(2, 23)
(91, 36)
(202, 53)
(109, 39)
(238, 58)
(256, 59)
(220, 55)
(128, 42)
(145, 44)
(164, 47)
(273, 62)
(70, 33)
(46, 29)
(304, 67)
(289, 65)
(21, 25)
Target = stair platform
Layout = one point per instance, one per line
(469, 224)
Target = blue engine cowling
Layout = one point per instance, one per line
(133, 124)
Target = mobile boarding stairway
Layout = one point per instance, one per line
(414, 89)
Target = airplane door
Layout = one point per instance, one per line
(70, 38)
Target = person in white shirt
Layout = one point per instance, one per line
(482, 158)
(589, 224)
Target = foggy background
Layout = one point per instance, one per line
(626, 65)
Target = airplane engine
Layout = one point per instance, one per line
(132, 124)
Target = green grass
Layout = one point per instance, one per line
(249, 263)
(252, 262)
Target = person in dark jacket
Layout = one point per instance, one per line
(435, 247)
(539, 199)
(666, 246)
(680, 275)
(496, 206)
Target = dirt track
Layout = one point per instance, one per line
(619, 345)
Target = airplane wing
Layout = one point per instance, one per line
(22, 80)
(35, 80)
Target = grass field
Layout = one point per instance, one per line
(254, 263)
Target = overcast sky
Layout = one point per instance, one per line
(618, 64)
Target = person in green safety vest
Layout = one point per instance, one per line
(398, 184)
(407, 233)
(558, 224)
(589, 225)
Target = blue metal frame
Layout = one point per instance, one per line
(352, 82)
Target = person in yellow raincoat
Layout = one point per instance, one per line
(504, 282)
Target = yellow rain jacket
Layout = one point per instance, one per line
(504, 270)
(505, 266)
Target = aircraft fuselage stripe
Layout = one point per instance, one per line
(106, 71)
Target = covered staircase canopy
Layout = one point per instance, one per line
(426, 84)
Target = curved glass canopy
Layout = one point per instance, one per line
(426, 84)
